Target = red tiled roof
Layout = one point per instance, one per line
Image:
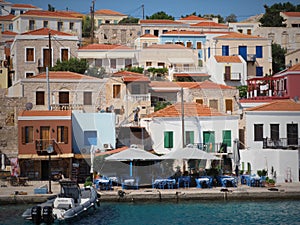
(166, 46)
(45, 31)
(63, 75)
(112, 151)
(8, 32)
(149, 36)
(190, 75)
(27, 6)
(209, 24)
(279, 105)
(192, 17)
(45, 113)
(295, 67)
(128, 76)
(103, 47)
(225, 59)
(237, 35)
(182, 32)
(292, 14)
(44, 13)
(190, 109)
(160, 22)
(73, 13)
(108, 12)
(7, 17)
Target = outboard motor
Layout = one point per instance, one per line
(47, 215)
(36, 214)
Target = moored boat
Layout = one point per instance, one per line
(71, 202)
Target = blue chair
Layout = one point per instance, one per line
(130, 183)
(184, 182)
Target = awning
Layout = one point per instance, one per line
(181, 60)
(44, 157)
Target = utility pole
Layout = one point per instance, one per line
(92, 21)
(143, 11)
(50, 55)
(182, 119)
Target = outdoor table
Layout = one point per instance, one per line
(255, 181)
(201, 181)
(227, 179)
(160, 183)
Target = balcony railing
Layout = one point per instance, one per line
(282, 143)
(187, 69)
(232, 77)
(41, 146)
(66, 106)
(136, 98)
(212, 147)
(251, 57)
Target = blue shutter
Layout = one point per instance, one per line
(259, 52)
(208, 52)
(259, 71)
(225, 50)
(243, 52)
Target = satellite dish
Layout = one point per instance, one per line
(28, 106)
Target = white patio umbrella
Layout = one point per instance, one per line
(236, 155)
(132, 154)
(189, 152)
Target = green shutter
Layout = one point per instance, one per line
(227, 137)
(168, 139)
(189, 137)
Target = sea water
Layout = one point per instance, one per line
(189, 212)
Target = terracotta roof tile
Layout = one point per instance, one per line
(190, 75)
(128, 76)
(44, 13)
(160, 22)
(63, 75)
(45, 113)
(237, 35)
(295, 67)
(8, 32)
(192, 17)
(7, 17)
(108, 12)
(183, 32)
(292, 14)
(73, 13)
(166, 46)
(190, 109)
(112, 151)
(209, 24)
(149, 36)
(225, 59)
(27, 6)
(103, 47)
(279, 105)
(45, 31)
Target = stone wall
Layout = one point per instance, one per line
(9, 110)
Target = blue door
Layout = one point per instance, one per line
(243, 52)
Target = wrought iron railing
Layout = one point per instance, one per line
(212, 147)
(282, 143)
(66, 106)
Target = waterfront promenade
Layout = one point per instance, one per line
(25, 194)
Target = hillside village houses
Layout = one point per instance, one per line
(78, 114)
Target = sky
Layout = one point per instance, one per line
(243, 9)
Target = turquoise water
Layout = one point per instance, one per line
(191, 212)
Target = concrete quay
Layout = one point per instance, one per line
(25, 194)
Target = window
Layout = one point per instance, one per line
(59, 26)
(227, 137)
(116, 90)
(31, 24)
(98, 62)
(62, 134)
(240, 31)
(27, 134)
(156, 33)
(161, 64)
(113, 63)
(40, 98)
(87, 98)
(200, 101)
(29, 74)
(249, 31)
(259, 71)
(259, 52)
(168, 139)
(258, 132)
(71, 26)
(199, 45)
(189, 44)
(147, 31)
(90, 138)
(99, 22)
(179, 43)
(208, 52)
(135, 89)
(274, 129)
(29, 54)
(243, 52)
(64, 54)
(225, 50)
(148, 63)
(228, 105)
(213, 103)
(189, 137)
(45, 24)
(10, 27)
(128, 63)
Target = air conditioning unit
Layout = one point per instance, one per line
(106, 146)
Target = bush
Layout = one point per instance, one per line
(88, 182)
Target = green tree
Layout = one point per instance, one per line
(135, 69)
(210, 16)
(272, 18)
(72, 65)
(231, 18)
(86, 26)
(98, 72)
(160, 16)
(278, 56)
(242, 91)
(129, 20)
(161, 105)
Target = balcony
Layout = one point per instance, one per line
(189, 69)
(138, 98)
(41, 146)
(251, 57)
(232, 77)
(281, 143)
(212, 147)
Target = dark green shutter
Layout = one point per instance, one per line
(227, 137)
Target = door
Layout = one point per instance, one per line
(243, 52)
(64, 98)
(292, 134)
(46, 58)
(45, 136)
(209, 140)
